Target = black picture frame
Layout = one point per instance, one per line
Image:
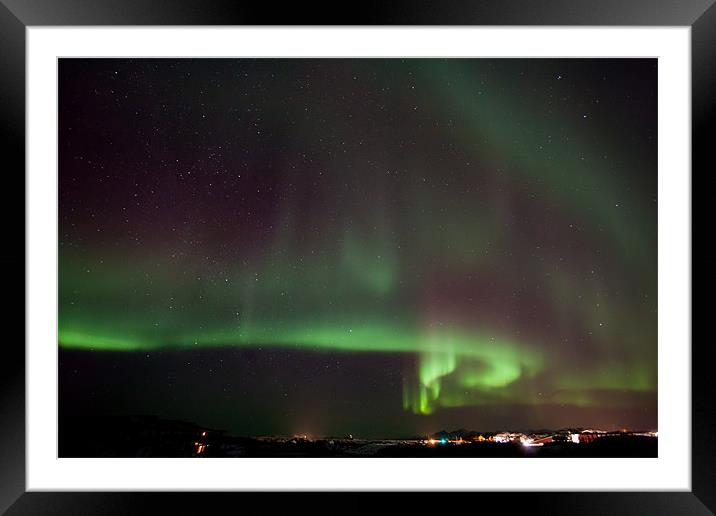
(16, 15)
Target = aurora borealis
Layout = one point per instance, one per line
(402, 244)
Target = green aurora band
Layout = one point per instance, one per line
(381, 276)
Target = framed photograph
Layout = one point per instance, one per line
(416, 250)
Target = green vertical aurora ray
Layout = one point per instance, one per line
(395, 246)
(574, 174)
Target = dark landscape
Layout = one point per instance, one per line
(149, 436)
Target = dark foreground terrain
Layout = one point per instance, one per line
(147, 436)
(628, 446)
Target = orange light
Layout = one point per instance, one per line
(203, 434)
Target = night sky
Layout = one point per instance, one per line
(383, 247)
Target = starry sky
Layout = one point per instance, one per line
(383, 247)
